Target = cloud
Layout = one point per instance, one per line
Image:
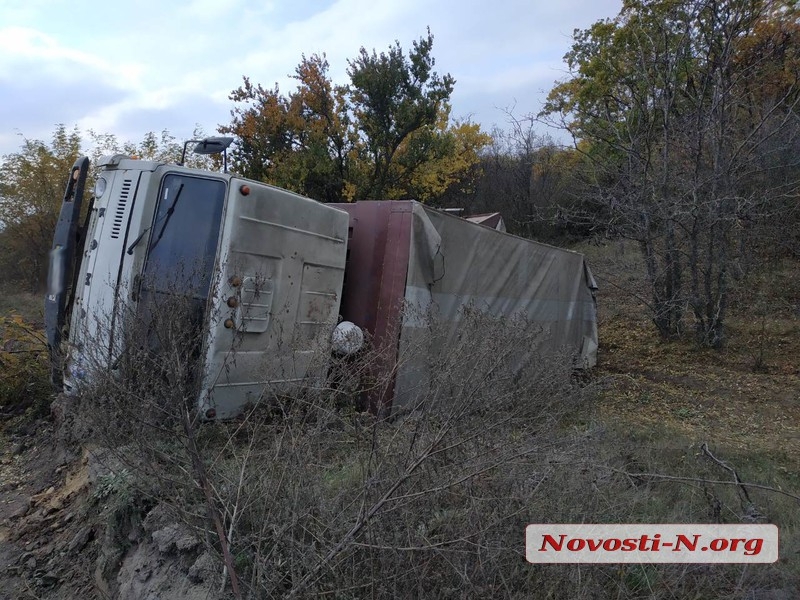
(503, 53)
(38, 101)
(43, 83)
(132, 119)
(29, 54)
(156, 65)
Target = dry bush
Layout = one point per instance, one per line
(310, 496)
(431, 502)
(315, 496)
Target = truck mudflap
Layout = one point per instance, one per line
(62, 258)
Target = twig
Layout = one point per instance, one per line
(737, 480)
(661, 476)
(213, 513)
(365, 518)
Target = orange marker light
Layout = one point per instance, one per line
(229, 323)
(244, 190)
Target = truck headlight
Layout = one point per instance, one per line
(100, 187)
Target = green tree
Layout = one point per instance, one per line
(385, 135)
(393, 97)
(31, 188)
(662, 100)
(32, 183)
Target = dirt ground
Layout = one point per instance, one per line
(59, 541)
(41, 522)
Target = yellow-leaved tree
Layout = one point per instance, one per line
(385, 135)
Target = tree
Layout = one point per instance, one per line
(394, 97)
(31, 188)
(385, 135)
(32, 183)
(525, 176)
(163, 147)
(434, 160)
(662, 99)
(301, 142)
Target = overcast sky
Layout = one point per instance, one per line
(146, 65)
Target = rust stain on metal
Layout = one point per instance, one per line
(374, 287)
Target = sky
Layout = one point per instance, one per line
(127, 68)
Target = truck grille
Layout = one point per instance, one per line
(122, 204)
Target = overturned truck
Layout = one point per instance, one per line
(276, 279)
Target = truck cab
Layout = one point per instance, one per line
(260, 268)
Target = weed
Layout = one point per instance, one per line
(25, 388)
(113, 484)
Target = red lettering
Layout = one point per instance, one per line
(656, 542)
(753, 547)
(629, 545)
(612, 545)
(718, 544)
(594, 544)
(576, 545)
(555, 545)
(682, 539)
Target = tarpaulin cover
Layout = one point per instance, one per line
(454, 263)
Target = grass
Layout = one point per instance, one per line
(24, 367)
(29, 306)
(723, 398)
(658, 407)
(701, 393)
(663, 400)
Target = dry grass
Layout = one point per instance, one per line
(731, 398)
(318, 499)
(24, 362)
(356, 503)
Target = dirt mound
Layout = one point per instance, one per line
(65, 533)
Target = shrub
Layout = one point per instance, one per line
(25, 384)
(304, 495)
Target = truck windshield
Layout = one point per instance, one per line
(184, 236)
(183, 247)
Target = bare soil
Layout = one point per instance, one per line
(41, 514)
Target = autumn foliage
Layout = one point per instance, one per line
(385, 135)
(685, 113)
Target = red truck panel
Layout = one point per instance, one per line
(375, 280)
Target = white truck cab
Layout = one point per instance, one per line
(261, 267)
